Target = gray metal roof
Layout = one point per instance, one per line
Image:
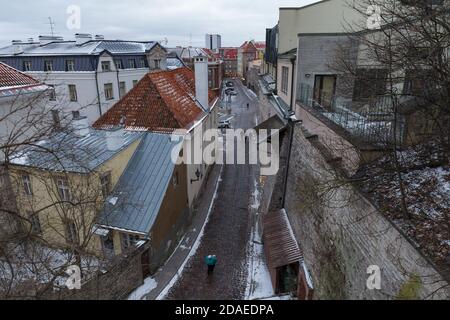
(94, 47)
(139, 194)
(174, 63)
(68, 152)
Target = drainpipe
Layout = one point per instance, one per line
(292, 84)
(118, 82)
(98, 92)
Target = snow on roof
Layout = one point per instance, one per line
(93, 47)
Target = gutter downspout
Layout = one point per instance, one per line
(98, 92)
(291, 108)
(118, 83)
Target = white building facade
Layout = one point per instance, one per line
(89, 74)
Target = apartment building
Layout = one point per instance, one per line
(89, 74)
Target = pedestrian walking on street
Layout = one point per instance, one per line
(211, 262)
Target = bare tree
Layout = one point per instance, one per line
(44, 231)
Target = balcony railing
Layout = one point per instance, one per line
(370, 121)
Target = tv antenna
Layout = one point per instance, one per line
(52, 26)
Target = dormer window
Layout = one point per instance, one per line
(27, 66)
(132, 64)
(70, 65)
(106, 66)
(48, 65)
(157, 64)
(119, 64)
(142, 63)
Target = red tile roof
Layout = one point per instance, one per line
(11, 78)
(212, 56)
(229, 53)
(162, 101)
(260, 45)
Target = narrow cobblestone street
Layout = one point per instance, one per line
(227, 232)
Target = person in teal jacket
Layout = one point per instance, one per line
(211, 262)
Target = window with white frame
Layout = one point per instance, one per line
(119, 64)
(63, 189)
(27, 185)
(132, 63)
(106, 66)
(105, 182)
(27, 66)
(142, 63)
(284, 79)
(35, 223)
(71, 232)
(70, 65)
(157, 64)
(122, 88)
(73, 93)
(135, 82)
(109, 93)
(48, 65)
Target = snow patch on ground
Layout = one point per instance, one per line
(251, 94)
(259, 283)
(145, 289)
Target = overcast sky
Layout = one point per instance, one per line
(181, 22)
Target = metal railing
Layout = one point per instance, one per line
(370, 121)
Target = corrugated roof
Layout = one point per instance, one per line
(174, 63)
(280, 244)
(161, 102)
(93, 47)
(141, 189)
(69, 152)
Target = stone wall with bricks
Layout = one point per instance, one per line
(342, 234)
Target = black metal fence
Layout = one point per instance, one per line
(371, 121)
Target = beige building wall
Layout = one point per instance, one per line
(287, 96)
(84, 186)
(329, 16)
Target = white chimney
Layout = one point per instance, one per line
(201, 80)
(82, 38)
(114, 139)
(18, 46)
(43, 40)
(81, 126)
(99, 37)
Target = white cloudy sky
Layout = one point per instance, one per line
(182, 22)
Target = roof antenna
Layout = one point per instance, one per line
(52, 26)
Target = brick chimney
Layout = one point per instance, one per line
(201, 80)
